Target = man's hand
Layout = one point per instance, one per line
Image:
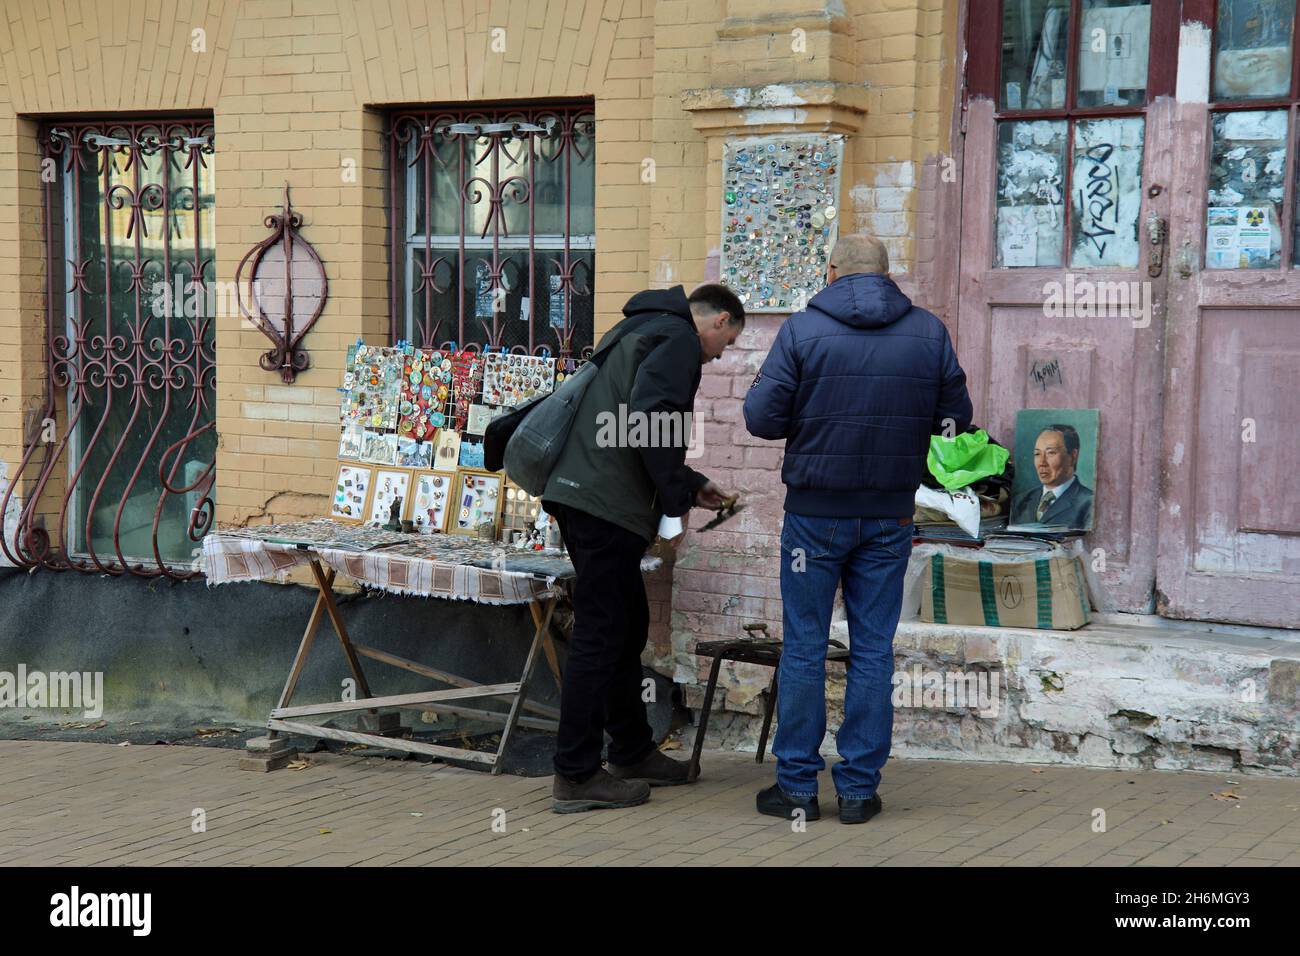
(711, 497)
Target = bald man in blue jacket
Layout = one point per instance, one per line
(856, 384)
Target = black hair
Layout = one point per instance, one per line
(1069, 433)
(720, 299)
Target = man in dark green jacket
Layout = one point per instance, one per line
(623, 468)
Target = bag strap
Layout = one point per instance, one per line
(598, 358)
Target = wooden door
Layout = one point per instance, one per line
(1229, 525)
(1068, 150)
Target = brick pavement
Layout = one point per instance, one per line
(86, 804)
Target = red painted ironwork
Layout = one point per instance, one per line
(491, 158)
(130, 358)
(280, 321)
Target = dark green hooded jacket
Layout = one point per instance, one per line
(625, 459)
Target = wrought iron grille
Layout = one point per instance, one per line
(119, 471)
(493, 228)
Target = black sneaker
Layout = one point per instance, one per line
(599, 792)
(775, 802)
(859, 811)
(656, 769)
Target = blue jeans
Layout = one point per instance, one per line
(869, 556)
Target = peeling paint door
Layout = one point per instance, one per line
(1068, 150)
(1229, 526)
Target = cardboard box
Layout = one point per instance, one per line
(1046, 592)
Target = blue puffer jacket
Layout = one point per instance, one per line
(856, 385)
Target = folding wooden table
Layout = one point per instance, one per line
(244, 558)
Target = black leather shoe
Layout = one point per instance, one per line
(858, 811)
(775, 802)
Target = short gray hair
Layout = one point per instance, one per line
(858, 252)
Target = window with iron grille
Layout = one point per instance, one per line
(122, 476)
(493, 228)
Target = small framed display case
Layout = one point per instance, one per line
(389, 484)
(519, 510)
(353, 484)
(476, 500)
(431, 496)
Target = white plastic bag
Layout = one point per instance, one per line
(962, 506)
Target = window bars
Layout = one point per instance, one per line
(492, 220)
(118, 472)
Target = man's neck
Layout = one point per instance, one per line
(1060, 484)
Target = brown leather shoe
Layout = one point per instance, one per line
(656, 769)
(599, 792)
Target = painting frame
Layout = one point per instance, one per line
(364, 509)
(417, 478)
(1068, 459)
(379, 472)
(455, 504)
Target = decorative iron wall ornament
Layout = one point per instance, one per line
(284, 291)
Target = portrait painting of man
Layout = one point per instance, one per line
(1056, 466)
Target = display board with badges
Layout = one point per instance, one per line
(780, 205)
(411, 440)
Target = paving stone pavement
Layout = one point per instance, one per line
(101, 804)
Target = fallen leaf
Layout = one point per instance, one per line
(1025, 790)
(1038, 771)
(1226, 795)
(326, 830)
(671, 744)
(215, 731)
(125, 743)
(417, 814)
(298, 764)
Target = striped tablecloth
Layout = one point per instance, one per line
(228, 558)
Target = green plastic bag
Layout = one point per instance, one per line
(957, 462)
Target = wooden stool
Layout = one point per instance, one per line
(750, 649)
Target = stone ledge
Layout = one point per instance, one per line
(810, 21)
(1125, 692)
(1116, 693)
(850, 96)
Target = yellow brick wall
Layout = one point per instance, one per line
(297, 88)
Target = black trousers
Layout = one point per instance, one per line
(601, 689)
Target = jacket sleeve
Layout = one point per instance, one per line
(665, 382)
(954, 401)
(769, 405)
